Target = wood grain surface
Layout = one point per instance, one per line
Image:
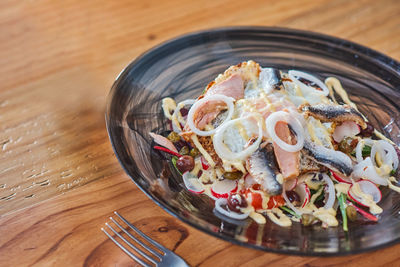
(59, 179)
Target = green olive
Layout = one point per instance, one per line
(351, 213)
(194, 152)
(345, 145)
(174, 137)
(233, 175)
(184, 150)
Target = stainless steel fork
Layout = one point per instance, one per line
(166, 258)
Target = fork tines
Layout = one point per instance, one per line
(144, 250)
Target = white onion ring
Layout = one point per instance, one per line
(225, 153)
(389, 158)
(366, 170)
(360, 146)
(231, 214)
(331, 191)
(309, 77)
(174, 118)
(294, 123)
(193, 109)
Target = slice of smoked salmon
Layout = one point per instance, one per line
(288, 161)
(232, 87)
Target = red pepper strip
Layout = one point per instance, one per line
(367, 215)
(168, 151)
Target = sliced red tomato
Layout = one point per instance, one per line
(256, 200)
(276, 201)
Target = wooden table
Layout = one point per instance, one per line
(59, 178)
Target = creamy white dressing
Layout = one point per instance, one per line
(311, 183)
(392, 186)
(342, 188)
(237, 164)
(208, 176)
(384, 170)
(334, 83)
(197, 167)
(278, 217)
(168, 106)
(257, 217)
(265, 200)
(366, 199)
(327, 216)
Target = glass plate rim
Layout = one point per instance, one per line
(361, 49)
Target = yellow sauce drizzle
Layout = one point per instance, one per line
(392, 186)
(342, 188)
(168, 105)
(337, 86)
(278, 217)
(197, 167)
(257, 217)
(327, 216)
(366, 199)
(237, 164)
(334, 83)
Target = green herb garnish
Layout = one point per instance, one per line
(342, 200)
(174, 159)
(290, 211)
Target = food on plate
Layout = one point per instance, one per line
(279, 145)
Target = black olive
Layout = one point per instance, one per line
(368, 131)
(236, 201)
(185, 163)
(292, 196)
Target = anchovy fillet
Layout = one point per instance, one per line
(307, 164)
(335, 160)
(271, 78)
(334, 113)
(263, 167)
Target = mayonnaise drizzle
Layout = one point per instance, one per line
(278, 217)
(342, 188)
(327, 216)
(392, 186)
(168, 106)
(366, 199)
(334, 83)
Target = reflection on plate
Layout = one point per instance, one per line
(182, 67)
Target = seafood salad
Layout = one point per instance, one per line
(284, 146)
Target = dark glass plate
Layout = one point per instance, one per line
(182, 67)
